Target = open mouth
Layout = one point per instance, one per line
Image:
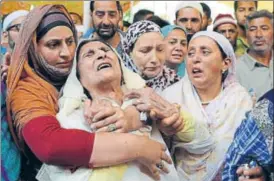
(179, 56)
(196, 71)
(103, 66)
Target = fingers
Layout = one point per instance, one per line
(104, 123)
(166, 158)
(7, 59)
(133, 94)
(87, 113)
(254, 172)
(102, 114)
(155, 172)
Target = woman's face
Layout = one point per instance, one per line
(98, 64)
(176, 47)
(205, 62)
(57, 47)
(148, 54)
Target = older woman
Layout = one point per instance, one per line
(176, 48)
(102, 76)
(144, 43)
(41, 63)
(217, 101)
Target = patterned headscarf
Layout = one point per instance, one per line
(167, 77)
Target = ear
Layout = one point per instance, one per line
(209, 21)
(226, 64)
(175, 22)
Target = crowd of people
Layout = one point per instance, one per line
(151, 100)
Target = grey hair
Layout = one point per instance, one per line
(259, 14)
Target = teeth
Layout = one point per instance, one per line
(196, 70)
(103, 65)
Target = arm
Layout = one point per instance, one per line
(188, 132)
(133, 116)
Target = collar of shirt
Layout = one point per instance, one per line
(252, 63)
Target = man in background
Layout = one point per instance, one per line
(207, 16)
(190, 16)
(142, 14)
(255, 68)
(227, 25)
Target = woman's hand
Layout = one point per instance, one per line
(103, 117)
(252, 174)
(167, 114)
(154, 158)
(5, 66)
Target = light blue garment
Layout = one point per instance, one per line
(165, 31)
(181, 69)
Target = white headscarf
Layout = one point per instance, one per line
(13, 16)
(73, 91)
(216, 124)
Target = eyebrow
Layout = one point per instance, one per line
(90, 50)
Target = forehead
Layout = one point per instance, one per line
(92, 45)
(189, 13)
(260, 21)
(58, 32)
(203, 41)
(18, 20)
(226, 26)
(178, 33)
(150, 38)
(246, 4)
(105, 5)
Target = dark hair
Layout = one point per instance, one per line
(126, 23)
(78, 15)
(141, 14)
(159, 21)
(118, 5)
(177, 14)
(259, 14)
(236, 4)
(206, 10)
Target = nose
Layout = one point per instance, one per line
(65, 53)
(195, 58)
(259, 33)
(101, 55)
(227, 35)
(106, 20)
(188, 25)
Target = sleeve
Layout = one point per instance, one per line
(248, 142)
(188, 132)
(54, 145)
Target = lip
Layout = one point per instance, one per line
(179, 56)
(259, 42)
(103, 63)
(151, 68)
(197, 74)
(64, 65)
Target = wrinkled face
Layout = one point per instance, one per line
(148, 54)
(176, 46)
(13, 31)
(260, 34)
(229, 31)
(105, 18)
(189, 18)
(57, 47)
(204, 62)
(98, 64)
(244, 9)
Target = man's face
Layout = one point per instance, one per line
(260, 34)
(105, 18)
(189, 18)
(229, 31)
(206, 22)
(13, 31)
(244, 9)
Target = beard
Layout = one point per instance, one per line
(105, 32)
(11, 42)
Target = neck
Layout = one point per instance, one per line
(208, 94)
(107, 90)
(262, 57)
(114, 41)
(242, 32)
(172, 66)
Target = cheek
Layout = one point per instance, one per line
(139, 59)
(51, 56)
(161, 57)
